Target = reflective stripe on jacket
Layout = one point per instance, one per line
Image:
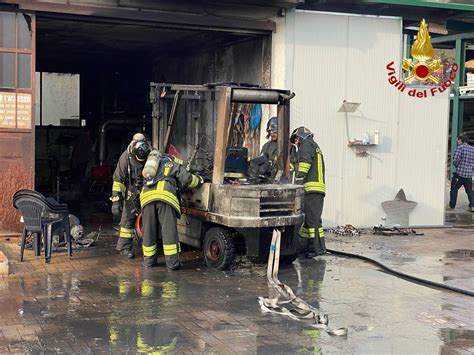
(311, 171)
(293, 159)
(124, 184)
(171, 177)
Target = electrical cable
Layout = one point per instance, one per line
(402, 275)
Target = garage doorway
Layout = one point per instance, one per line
(115, 62)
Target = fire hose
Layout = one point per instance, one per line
(285, 302)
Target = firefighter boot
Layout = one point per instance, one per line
(314, 249)
(128, 253)
(149, 261)
(172, 262)
(322, 242)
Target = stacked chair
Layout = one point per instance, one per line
(42, 216)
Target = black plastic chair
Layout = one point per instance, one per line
(50, 202)
(41, 216)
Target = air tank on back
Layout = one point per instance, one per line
(152, 164)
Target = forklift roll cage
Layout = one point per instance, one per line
(226, 95)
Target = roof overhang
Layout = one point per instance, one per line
(225, 15)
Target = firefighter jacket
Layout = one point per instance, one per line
(270, 151)
(169, 180)
(310, 170)
(127, 177)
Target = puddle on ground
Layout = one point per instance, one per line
(111, 333)
(197, 309)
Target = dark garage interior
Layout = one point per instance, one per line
(115, 62)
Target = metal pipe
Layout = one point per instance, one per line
(196, 116)
(255, 96)
(103, 131)
(194, 212)
(155, 115)
(171, 118)
(41, 98)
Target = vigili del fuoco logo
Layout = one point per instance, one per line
(429, 75)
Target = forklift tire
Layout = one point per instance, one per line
(218, 248)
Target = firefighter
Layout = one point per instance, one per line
(125, 191)
(310, 174)
(161, 206)
(270, 149)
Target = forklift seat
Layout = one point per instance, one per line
(236, 160)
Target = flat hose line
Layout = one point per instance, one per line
(284, 302)
(402, 275)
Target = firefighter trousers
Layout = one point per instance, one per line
(312, 231)
(127, 226)
(160, 221)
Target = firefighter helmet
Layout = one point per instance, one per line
(272, 126)
(301, 133)
(140, 150)
(138, 137)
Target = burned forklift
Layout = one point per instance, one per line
(230, 213)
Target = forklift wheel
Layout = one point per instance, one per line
(218, 248)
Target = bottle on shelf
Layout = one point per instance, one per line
(376, 137)
(365, 138)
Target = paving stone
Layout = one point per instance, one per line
(81, 300)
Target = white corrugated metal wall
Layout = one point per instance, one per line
(334, 57)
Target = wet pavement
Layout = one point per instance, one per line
(99, 302)
(459, 216)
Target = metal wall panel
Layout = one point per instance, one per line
(336, 57)
(422, 152)
(372, 43)
(316, 72)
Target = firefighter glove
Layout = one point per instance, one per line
(117, 210)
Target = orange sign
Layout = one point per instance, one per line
(23, 111)
(15, 110)
(7, 110)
